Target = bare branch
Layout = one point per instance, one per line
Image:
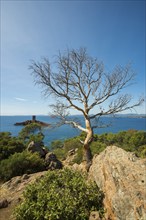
(60, 111)
(83, 84)
(76, 125)
(119, 105)
(80, 78)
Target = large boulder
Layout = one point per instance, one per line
(122, 178)
(36, 147)
(51, 162)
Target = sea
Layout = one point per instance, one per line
(66, 131)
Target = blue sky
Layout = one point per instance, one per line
(112, 31)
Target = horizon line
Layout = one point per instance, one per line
(73, 114)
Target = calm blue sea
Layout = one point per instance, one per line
(66, 131)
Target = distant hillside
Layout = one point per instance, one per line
(131, 115)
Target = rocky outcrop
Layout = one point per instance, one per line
(50, 159)
(36, 147)
(71, 155)
(24, 123)
(51, 162)
(11, 193)
(122, 178)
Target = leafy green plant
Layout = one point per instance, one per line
(141, 151)
(61, 195)
(61, 148)
(138, 139)
(79, 156)
(60, 153)
(9, 145)
(97, 147)
(56, 144)
(19, 164)
(72, 143)
(31, 132)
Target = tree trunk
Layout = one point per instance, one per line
(87, 142)
(88, 156)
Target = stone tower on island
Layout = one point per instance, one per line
(34, 118)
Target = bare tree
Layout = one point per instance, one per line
(82, 83)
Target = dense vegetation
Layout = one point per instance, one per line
(9, 145)
(62, 195)
(20, 163)
(15, 160)
(31, 132)
(132, 140)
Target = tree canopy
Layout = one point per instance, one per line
(79, 81)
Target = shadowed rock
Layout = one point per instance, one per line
(3, 203)
(36, 147)
(51, 162)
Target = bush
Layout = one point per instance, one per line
(60, 195)
(60, 153)
(9, 145)
(32, 132)
(141, 151)
(97, 147)
(19, 164)
(72, 143)
(56, 144)
(61, 148)
(79, 155)
(138, 139)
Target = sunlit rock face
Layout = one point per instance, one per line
(122, 177)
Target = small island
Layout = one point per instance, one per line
(27, 122)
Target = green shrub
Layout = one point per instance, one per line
(9, 145)
(141, 151)
(133, 141)
(62, 195)
(138, 139)
(79, 155)
(97, 147)
(61, 148)
(72, 143)
(31, 132)
(60, 153)
(56, 144)
(20, 163)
